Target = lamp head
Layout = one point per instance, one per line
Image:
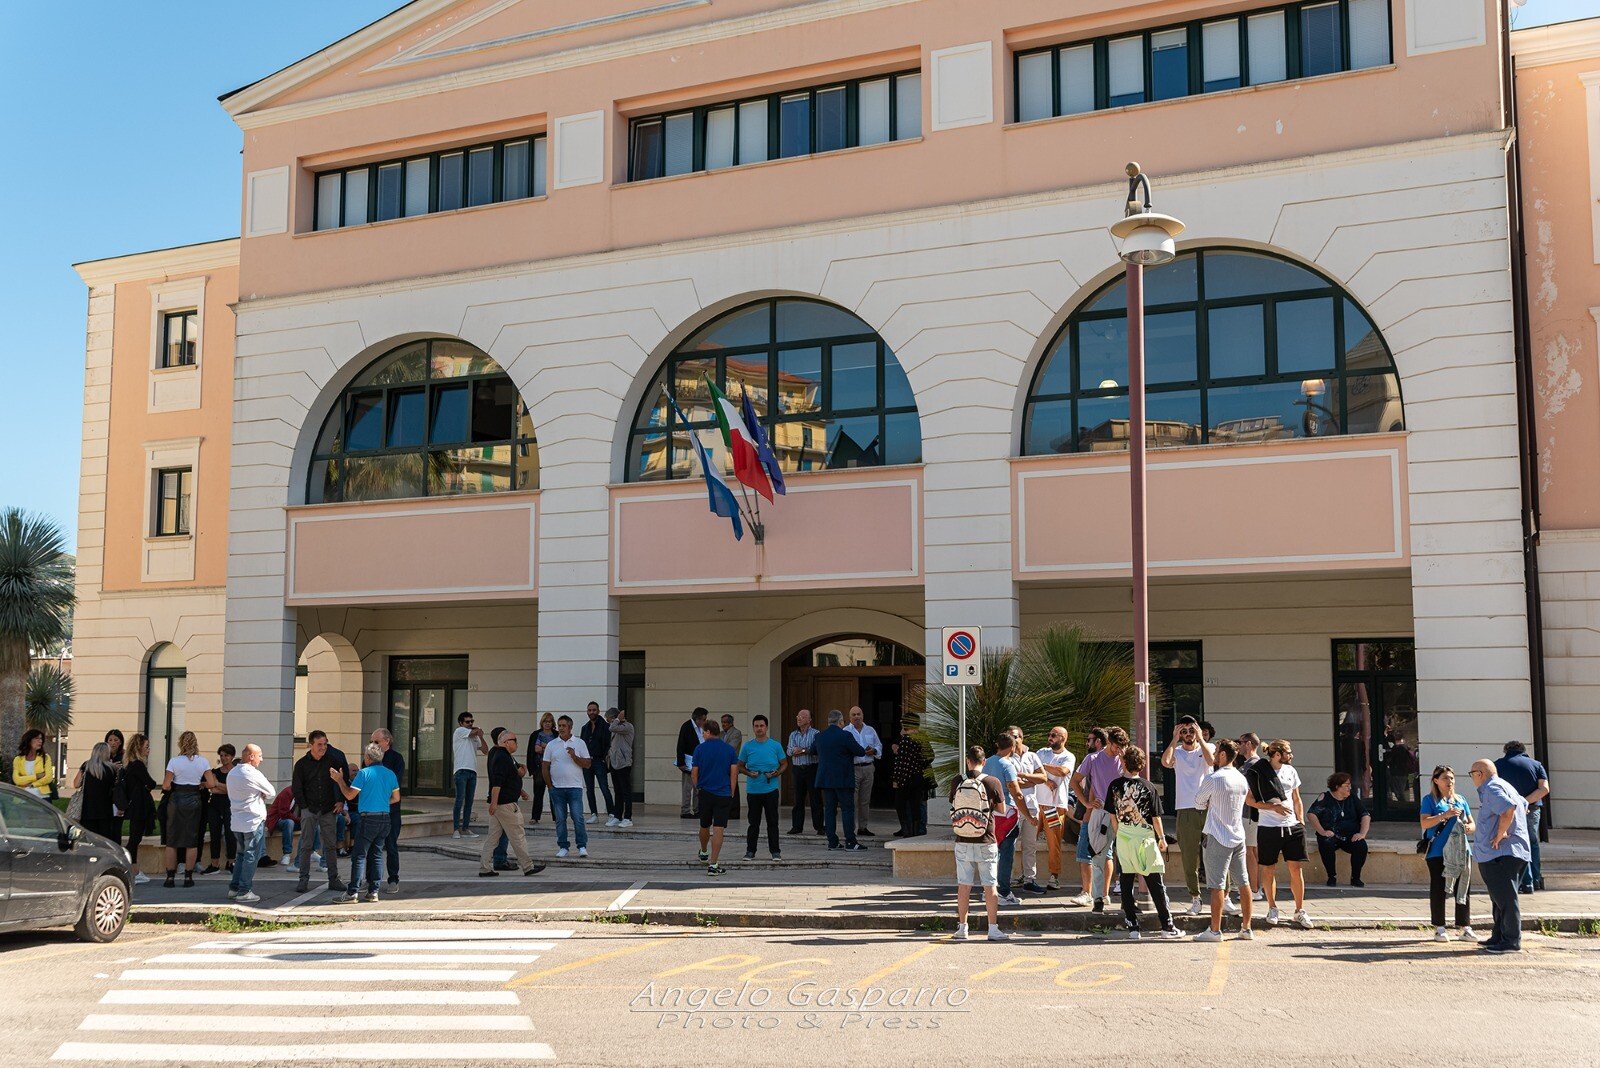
(1148, 238)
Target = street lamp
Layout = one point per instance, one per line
(1146, 239)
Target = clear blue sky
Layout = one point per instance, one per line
(117, 144)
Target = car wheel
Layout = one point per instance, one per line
(106, 912)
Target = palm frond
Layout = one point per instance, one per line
(48, 698)
(36, 576)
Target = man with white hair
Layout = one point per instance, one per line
(248, 795)
(391, 841)
(374, 790)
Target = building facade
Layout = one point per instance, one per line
(487, 245)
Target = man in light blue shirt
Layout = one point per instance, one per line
(1500, 846)
(373, 789)
(762, 761)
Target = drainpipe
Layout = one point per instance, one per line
(1527, 415)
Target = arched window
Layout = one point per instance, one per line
(827, 388)
(428, 419)
(1239, 346)
(854, 650)
(165, 698)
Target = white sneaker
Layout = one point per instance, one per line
(471, 834)
(1259, 895)
(1301, 920)
(1466, 935)
(625, 823)
(1230, 907)
(583, 851)
(997, 935)
(1247, 933)
(1134, 935)
(612, 821)
(590, 818)
(316, 858)
(561, 852)
(1082, 899)
(1196, 908)
(961, 933)
(1054, 883)
(456, 835)
(1208, 935)
(247, 897)
(1441, 935)
(232, 893)
(140, 878)
(292, 867)
(1272, 914)
(1011, 899)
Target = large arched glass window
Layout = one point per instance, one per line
(1239, 347)
(428, 419)
(165, 700)
(828, 389)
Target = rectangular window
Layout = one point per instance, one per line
(452, 181)
(648, 139)
(1126, 59)
(180, 338)
(680, 143)
(907, 107)
(355, 197)
(1035, 86)
(720, 129)
(329, 196)
(174, 491)
(1268, 53)
(1077, 80)
(515, 159)
(480, 176)
(419, 174)
(389, 191)
(872, 108)
(1369, 33)
(833, 128)
(1321, 40)
(539, 156)
(1169, 64)
(1219, 51)
(794, 125)
(753, 132)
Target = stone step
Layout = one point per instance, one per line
(877, 861)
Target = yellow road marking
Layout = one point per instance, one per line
(585, 962)
(1219, 970)
(901, 963)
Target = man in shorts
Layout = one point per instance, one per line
(715, 771)
(1221, 796)
(978, 860)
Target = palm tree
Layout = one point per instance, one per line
(1005, 697)
(49, 700)
(35, 605)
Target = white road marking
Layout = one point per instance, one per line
(350, 973)
(309, 895)
(336, 954)
(459, 934)
(184, 1024)
(626, 896)
(278, 948)
(190, 1053)
(320, 998)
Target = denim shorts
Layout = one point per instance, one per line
(977, 863)
(1085, 854)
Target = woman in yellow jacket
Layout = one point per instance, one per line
(31, 769)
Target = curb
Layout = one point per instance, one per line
(928, 922)
(611, 864)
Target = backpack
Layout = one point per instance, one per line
(970, 810)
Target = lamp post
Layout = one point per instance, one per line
(1147, 239)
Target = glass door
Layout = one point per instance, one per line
(1177, 666)
(1375, 723)
(425, 696)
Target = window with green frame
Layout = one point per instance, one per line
(827, 389)
(428, 419)
(1240, 346)
(1275, 44)
(799, 122)
(513, 169)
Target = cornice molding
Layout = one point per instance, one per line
(1565, 42)
(136, 266)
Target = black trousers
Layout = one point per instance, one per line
(217, 826)
(1158, 895)
(1438, 893)
(622, 792)
(1329, 848)
(806, 795)
(536, 791)
(1500, 877)
(763, 806)
(391, 845)
(911, 803)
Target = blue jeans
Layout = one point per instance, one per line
(839, 803)
(1008, 856)
(367, 859)
(286, 828)
(466, 783)
(568, 801)
(1531, 873)
(251, 845)
(591, 775)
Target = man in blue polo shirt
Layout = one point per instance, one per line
(1528, 777)
(374, 789)
(1500, 846)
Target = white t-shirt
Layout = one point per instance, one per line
(1222, 795)
(1055, 793)
(564, 771)
(466, 747)
(1029, 764)
(248, 794)
(188, 771)
(1289, 779)
(1190, 767)
(28, 768)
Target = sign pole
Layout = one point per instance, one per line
(961, 734)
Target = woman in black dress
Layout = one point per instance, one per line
(136, 788)
(96, 778)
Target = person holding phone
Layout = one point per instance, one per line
(1190, 758)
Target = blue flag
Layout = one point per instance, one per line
(759, 437)
(722, 500)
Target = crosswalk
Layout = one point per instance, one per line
(368, 996)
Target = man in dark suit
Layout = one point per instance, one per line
(836, 751)
(690, 736)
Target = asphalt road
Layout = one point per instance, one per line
(612, 994)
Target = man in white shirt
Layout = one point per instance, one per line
(1221, 796)
(866, 766)
(249, 793)
(565, 757)
(468, 743)
(1055, 797)
(1190, 759)
(1030, 777)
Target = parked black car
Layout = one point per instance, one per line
(54, 873)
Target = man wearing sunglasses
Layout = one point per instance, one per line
(468, 744)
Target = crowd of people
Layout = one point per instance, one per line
(1239, 812)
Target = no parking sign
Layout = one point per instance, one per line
(963, 657)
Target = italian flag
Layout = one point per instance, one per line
(747, 466)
